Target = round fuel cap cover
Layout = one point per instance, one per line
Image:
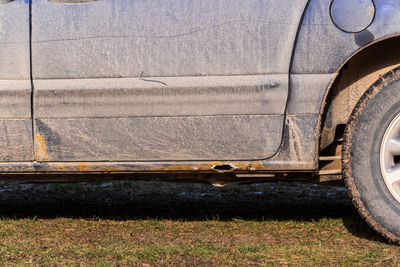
(352, 16)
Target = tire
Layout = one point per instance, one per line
(367, 166)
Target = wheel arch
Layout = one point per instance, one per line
(352, 79)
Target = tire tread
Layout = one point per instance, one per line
(346, 148)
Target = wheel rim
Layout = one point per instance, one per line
(390, 158)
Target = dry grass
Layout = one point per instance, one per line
(129, 223)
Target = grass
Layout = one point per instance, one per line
(148, 224)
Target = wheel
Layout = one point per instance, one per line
(371, 156)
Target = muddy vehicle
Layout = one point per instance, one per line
(218, 91)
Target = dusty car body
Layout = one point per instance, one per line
(254, 89)
(182, 85)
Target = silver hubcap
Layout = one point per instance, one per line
(390, 158)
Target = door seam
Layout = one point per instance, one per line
(31, 80)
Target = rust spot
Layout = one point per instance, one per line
(40, 148)
(207, 166)
(178, 168)
(224, 168)
(247, 166)
(213, 166)
(257, 166)
(83, 167)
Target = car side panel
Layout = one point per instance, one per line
(321, 49)
(15, 85)
(163, 38)
(199, 79)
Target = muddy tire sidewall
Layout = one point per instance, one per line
(374, 116)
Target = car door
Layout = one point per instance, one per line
(149, 80)
(15, 82)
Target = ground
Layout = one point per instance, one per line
(156, 223)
